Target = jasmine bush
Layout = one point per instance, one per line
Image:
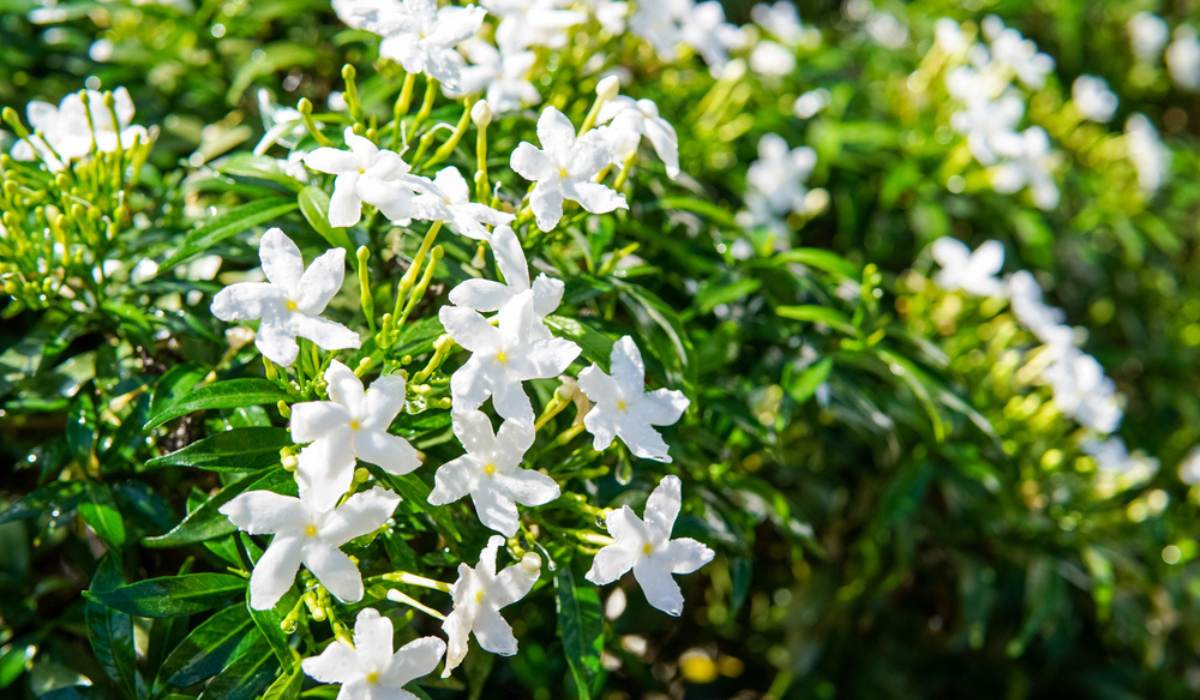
(591, 348)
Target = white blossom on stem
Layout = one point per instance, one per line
(525, 23)
(486, 295)
(305, 534)
(366, 173)
(646, 547)
(290, 302)
(449, 200)
(632, 119)
(503, 76)
(369, 670)
(479, 594)
(973, 272)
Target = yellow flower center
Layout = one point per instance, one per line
(355, 425)
(647, 549)
(291, 305)
(489, 469)
(310, 530)
(479, 596)
(562, 172)
(502, 357)
(621, 405)
(362, 171)
(373, 677)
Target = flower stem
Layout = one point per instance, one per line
(410, 579)
(459, 129)
(403, 598)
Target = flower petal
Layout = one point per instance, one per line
(331, 160)
(337, 663)
(511, 402)
(515, 582)
(245, 301)
(384, 400)
(551, 357)
(474, 430)
(598, 386)
(495, 510)
(345, 207)
(335, 571)
(556, 134)
(662, 506)
(513, 440)
(263, 512)
(453, 480)
(662, 406)
(610, 564)
(325, 470)
(480, 295)
(344, 387)
(666, 144)
(660, 589)
(547, 295)
(328, 335)
(687, 555)
(275, 571)
(322, 280)
(493, 632)
(547, 204)
(627, 367)
(373, 638)
(363, 149)
(277, 343)
(626, 527)
(642, 439)
(601, 423)
(457, 627)
(487, 557)
(449, 181)
(510, 258)
(361, 513)
(314, 419)
(470, 385)
(469, 329)
(527, 487)
(391, 452)
(281, 261)
(413, 660)
(594, 197)
(531, 163)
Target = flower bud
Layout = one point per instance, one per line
(608, 87)
(531, 562)
(481, 114)
(239, 337)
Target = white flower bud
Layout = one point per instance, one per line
(239, 337)
(481, 114)
(608, 87)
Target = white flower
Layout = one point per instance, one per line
(1044, 321)
(305, 534)
(366, 173)
(491, 472)
(502, 75)
(632, 119)
(1116, 465)
(283, 125)
(352, 425)
(973, 272)
(66, 130)
(985, 118)
(623, 408)
(1083, 391)
(1189, 468)
(810, 103)
(369, 670)
(949, 36)
(525, 23)
(416, 33)
(647, 548)
(449, 200)
(487, 295)
(783, 21)
(1013, 51)
(656, 23)
(1150, 157)
(1027, 161)
(563, 169)
(502, 358)
(777, 178)
(772, 60)
(1148, 33)
(1183, 58)
(887, 29)
(479, 594)
(704, 29)
(1093, 99)
(611, 14)
(290, 302)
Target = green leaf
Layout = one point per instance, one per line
(270, 623)
(595, 346)
(231, 223)
(416, 494)
(237, 450)
(287, 686)
(81, 428)
(919, 383)
(230, 393)
(314, 205)
(57, 498)
(580, 627)
(252, 167)
(711, 295)
(253, 668)
(703, 207)
(100, 511)
(818, 314)
(111, 632)
(207, 522)
(802, 386)
(822, 260)
(169, 596)
(207, 649)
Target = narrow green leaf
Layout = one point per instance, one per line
(230, 393)
(580, 627)
(595, 346)
(818, 314)
(57, 498)
(802, 386)
(237, 450)
(206, 649)
(111, 632)
(100, 511)
(252, 668)
(286, 686)
(169, 596)
(822, 260)
(207, 522)
(229, 224)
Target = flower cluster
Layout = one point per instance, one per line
(82, 123)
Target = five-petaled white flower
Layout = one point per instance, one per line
(305, 534)
(623, 408)
(491, 472)
(369, 670)
(488, 295)
(632, 119)
(366, 173)
(647, 548)
(352, 424)
(449, 200)
(1028, 161)
(502, 75)
(526, 23)
(416, 33)
(563, 169)
(290, 301)
(973, 272)
(65, 132)
(479, 593)
(502, 358)
(777, 178)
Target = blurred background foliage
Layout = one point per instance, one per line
(899, 508)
